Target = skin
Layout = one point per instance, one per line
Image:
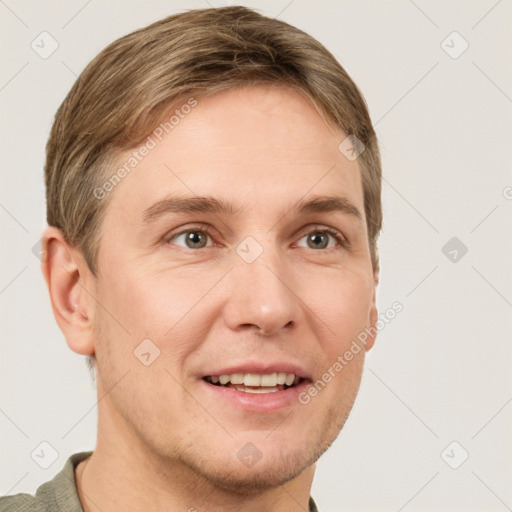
(168, 444)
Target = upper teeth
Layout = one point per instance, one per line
(253, 379)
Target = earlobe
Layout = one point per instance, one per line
(67, 276)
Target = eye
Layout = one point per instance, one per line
(191, 238)
(324, 238)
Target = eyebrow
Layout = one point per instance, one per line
(328, 204)
(204, 204)
(208, 204)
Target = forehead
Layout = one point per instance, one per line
(252, 145)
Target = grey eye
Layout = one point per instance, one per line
(192, 239)
(318, 240)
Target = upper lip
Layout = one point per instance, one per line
(261, 369)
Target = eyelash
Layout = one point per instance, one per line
(342, 241)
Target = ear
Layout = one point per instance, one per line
(373, 315)
(71, 286)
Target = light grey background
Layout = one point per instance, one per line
(440, 371)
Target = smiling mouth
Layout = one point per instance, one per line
(255, 383)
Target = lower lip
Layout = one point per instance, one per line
(257, 402)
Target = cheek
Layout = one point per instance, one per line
(342, 300)
(144, 305)
(168, 308)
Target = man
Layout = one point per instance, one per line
(213, 201)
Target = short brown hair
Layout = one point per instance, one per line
(133, 83)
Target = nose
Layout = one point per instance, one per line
(262, 297)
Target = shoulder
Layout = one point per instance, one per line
(43, 501)
(17, 503)
(59, 494)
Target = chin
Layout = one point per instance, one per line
(264, 475)
(277, 466)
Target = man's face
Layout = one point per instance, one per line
(264, 289)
